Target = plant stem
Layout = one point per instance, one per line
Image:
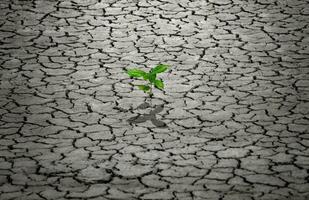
(150, 93)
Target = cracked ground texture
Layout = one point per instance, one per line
(236, 102)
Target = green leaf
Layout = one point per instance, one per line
(145, 76)
(159, 84)
(145, 88)
(159, 69)
(151, 77)
(136, 73)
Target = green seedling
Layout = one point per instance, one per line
(150, 77)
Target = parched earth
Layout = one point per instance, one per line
(231, 124)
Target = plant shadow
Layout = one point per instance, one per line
(140, 118)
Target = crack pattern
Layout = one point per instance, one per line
(235, 107)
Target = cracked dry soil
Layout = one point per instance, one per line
(236, 103)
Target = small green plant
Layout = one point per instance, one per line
(150, 77)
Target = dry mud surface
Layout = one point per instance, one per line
(232, 123)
